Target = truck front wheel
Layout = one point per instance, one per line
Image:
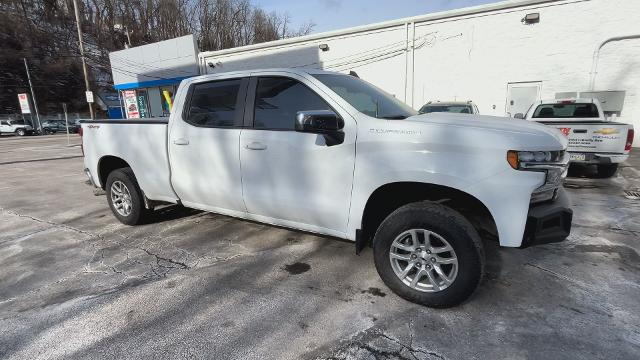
(429, 254)
(125, 197)
(607, 171)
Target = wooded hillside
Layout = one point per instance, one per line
(44, 32)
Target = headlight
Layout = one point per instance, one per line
(553, 164)
(519, 159)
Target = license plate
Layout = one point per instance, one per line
(577, 157)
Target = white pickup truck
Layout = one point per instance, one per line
(592, 138)
(331, 154)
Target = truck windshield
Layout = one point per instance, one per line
(569, 110)
(460, 109)
(366, 98)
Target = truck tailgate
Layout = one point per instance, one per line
(605, 137)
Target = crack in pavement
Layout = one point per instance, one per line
(364, 342)
(163, 264)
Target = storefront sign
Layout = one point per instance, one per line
(142, 103)
(131, 104)
(24, 103)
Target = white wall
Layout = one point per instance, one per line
(475, 56)
(173, 58)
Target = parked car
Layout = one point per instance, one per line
(54, 126)
(331, 154)
(593, 139)
(18, 127)
(459, 107)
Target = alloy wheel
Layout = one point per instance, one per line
(423, 260)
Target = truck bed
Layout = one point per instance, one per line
(142, 142)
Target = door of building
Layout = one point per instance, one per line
(521, 95)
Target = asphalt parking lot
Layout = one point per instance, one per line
(75, 283)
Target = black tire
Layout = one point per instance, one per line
(138, 213)
(21, 132)
(448, 224)
(607, 171)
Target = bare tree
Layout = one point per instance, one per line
(44, 32)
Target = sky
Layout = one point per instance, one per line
(339, 14)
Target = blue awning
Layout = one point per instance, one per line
(150, 83)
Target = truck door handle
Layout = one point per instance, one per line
(181, 141)
(256, 146)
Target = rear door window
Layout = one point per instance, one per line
(215, 103)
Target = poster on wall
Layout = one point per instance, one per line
(24, 103)
(142, 103)
(167, 103)
(131, 104)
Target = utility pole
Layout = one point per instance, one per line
(128, 37)
(66, 122)
(33, 95)
(84, 62)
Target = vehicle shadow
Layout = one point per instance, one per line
(583, 171)
(170, 212)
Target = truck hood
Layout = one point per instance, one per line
(530, 135)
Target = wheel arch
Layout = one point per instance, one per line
(107, 164)
(389, 197)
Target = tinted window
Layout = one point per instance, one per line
(569, 110)
(4, 123)
(365, 97)
(214, 103)
(279, 99)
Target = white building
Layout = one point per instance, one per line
(503, 56)
(147, 76)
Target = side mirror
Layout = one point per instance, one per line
(323, 122)
(518, 116)
(318, 122)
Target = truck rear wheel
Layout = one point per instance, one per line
(125, 197)
(429, 254)
(607, 171)
(21, 132)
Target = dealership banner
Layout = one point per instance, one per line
(131, 103)
(24, 103)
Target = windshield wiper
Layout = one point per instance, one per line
(393, 117)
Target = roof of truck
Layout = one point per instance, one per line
(299, 71)
(565, 101)
(448, 103)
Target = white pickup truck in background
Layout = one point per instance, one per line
(332, 154)
(593, 139)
